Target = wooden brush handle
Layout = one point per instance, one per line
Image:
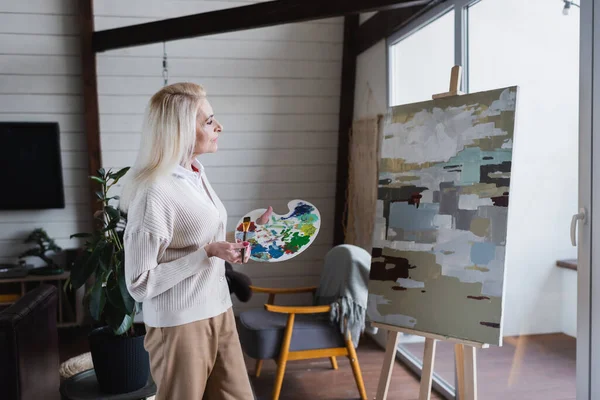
(244, 250)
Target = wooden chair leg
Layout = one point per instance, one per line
(360, 384)
(258, 368)
(283, 356)
(333, 363)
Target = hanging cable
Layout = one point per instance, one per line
(165, 71)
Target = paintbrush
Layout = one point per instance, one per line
(245, 227)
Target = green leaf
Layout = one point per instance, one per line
(114, 216)
(81, 235)
(118, 320)
(54, 247)
(86, 265)
(91, 244)
(111, 225)
(112, 212)
(101, 172)
(128, 301)
(97, 299)
(97, 179)
(114, 296)
(119, 174)
(106, 257)
(120, 257)
(107, 275)
(77, 269)
(35, 252)
(100, 195)
(125, 325)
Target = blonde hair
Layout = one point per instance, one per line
(168, 136)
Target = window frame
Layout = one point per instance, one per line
(460, 8)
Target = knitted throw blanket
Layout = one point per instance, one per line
(343, 285)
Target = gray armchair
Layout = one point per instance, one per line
(287, 333)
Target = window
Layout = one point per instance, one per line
(420, 63)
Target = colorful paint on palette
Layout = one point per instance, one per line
(443, 199)
(282, 237)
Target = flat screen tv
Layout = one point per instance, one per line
(30, 166)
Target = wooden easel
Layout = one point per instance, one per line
(465, 357)
(455, 77)
(464, 350)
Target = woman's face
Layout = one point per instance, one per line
(207, 130)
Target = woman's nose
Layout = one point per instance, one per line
(219, 127)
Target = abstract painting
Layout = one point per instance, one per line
(441, 221)
(282, 237)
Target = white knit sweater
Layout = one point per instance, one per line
(166, 266)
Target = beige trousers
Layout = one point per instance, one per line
(199, 360)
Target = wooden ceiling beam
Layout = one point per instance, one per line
(238, 18)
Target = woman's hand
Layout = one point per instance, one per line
(230, 252)
(247, 252)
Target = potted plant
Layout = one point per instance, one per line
(120, 361)
(44, 244)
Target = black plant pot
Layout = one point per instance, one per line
(121, 364)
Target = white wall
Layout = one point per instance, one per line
(40, 81)
(276, 91)
(370, 96)
(569, 302)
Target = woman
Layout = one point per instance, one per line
(175, 251)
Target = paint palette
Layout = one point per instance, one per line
(282, 237)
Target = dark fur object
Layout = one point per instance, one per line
(239, 284)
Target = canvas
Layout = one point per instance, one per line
(440, 231)
(282, 237)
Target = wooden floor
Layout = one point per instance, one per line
(527, 367)
(314, 379)
(542, 367)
